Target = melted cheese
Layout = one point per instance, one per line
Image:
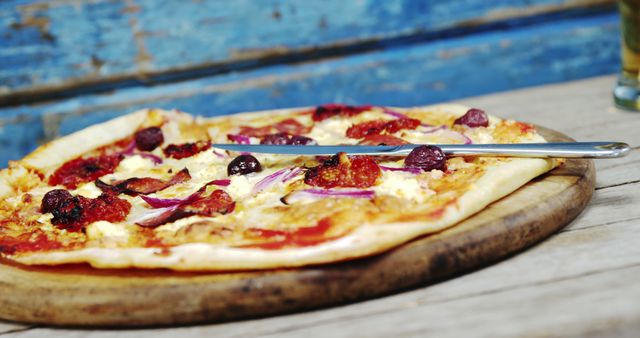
(332, 131)
(403, 185)
(45, 219)
(240, 187)
(206, 166)
(456, 163)
(101, 229)
(371, 115)
(134, 163)
(88, 190)
(436, 174)
(181, 223)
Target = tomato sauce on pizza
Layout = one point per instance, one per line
(162, 186)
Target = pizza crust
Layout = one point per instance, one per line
(368, 239)
(59, 151)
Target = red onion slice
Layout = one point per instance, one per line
(433, 129)
(322, 193)
(293, 173)
(401, 116)
(394, 113)
(457, 135)
(130, 151)
(155, 202)
(467, 139)
(279, 176)
(240, 139)
(450, 133)
(155, 159)
(156, 217)
(218, 154)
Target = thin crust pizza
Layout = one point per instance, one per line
(147, 190)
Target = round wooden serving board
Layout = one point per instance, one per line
(82, 296)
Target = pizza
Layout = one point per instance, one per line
(148, 190)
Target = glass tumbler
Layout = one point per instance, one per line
(627, 92)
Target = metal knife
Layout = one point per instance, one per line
(543, 150)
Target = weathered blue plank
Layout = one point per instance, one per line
(420, 74)
(49, 44)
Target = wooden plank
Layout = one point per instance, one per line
(48, 45)
(7, 327)
(583, 248)
(552, 275)
(412, 75)
(560, 271)
(614, 314)
(618, 172)
(584, 110)
(619, 200)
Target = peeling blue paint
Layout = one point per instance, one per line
(420, 74)
(86, 40)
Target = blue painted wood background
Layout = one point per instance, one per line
(66, 64)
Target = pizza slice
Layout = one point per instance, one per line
(147, 190)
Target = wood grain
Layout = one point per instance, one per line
(78, 295)
(607, 250)
(51, 45)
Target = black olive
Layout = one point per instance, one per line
(53, 199)
(280, 138)
(243, 164)
(473, 118)
(298, 140)
(426, 158)
(149, 138)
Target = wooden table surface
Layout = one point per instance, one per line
(581, 282)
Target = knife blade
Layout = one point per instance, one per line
(539, 150)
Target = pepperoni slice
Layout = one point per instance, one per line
(284, 138)
(179, 151)
(217, 203)
(107, 208)
(376, 127)
(255, 132)
(363, 129)
(145, 185)
(400, 124)
(344, 171)
(181, 176)
(81, 170)
(75, 212)
(288, 126)
(304, 236)
(291, 127)
(382, 140)
(333, 109)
